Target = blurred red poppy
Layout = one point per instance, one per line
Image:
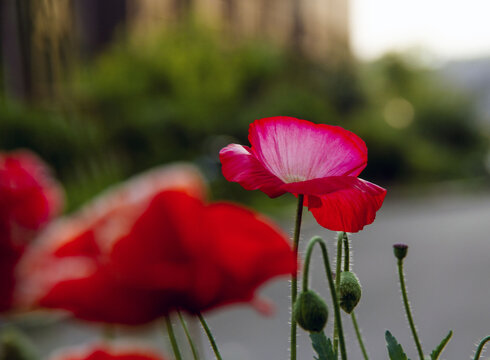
(150, 247)
(105, 352)
(319, 161)
(29, 198)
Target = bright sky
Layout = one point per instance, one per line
(448, 29)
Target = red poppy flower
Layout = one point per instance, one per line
(319, 161)
(140, 258)
(105, 352)
(29, 198)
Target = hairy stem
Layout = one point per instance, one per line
(210, 337)
(353, 314)
(195, 354)
(173, 340)
(294, 278)
(359, 336)
(109, 332)
(346, 252)
(331, 285)
(338, 267)
(407, 309)
(481, 346)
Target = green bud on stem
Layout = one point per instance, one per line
(310, 311)
(349, 291)
(400, 251)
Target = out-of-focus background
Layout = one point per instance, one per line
(106, 89)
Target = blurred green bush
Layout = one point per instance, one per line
(184, 93)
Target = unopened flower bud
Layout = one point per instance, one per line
(310, 311)
(400, 251)
(349, 291)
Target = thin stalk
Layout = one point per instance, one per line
(338, 267)
(294, 277)
(331, 285)
(359, 335)
(108, 332)
(173, 340)
(210, 337)
(407, 309)
(353, 315)
(346, 252)
(481, 346)
(195, 354)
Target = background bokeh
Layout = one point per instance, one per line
(103, 90)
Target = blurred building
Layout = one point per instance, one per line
(41, 39)
(317, 28)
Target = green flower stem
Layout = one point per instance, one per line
(359, 335)
(407, 309)
(346, 252)
(195, 354)
(173, 340)
(338, 267)
(210, 337)
(294, 277)
(333, 292)
(353, 315)
(481, 346)
(109, 332)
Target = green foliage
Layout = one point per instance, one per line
(184, 93)
(434, 355)
(323, 346)
(417, 127)
(395, 350)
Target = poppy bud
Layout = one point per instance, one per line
(400, 251)
(310, 311)
(349, 290)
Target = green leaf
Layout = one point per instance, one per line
(322, 346)
(394, 348)
(434, 355)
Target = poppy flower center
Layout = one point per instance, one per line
(292, 178)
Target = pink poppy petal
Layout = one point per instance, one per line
(298, 150)
(241, 166)
(341, 203)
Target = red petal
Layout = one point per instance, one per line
(29, 197)
(70, 266)
(341, 203)
(298, 150)
(107, 352)
(248, 251)
(241, 166)
(101, 298)
(164, 240)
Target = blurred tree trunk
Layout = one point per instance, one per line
(52, 47)
(297, 30)
(98, 22)
(37, 42)
(266, 8)
(16, 48)
(182, 8)
(230, 13)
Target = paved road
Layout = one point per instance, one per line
(448, 276)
